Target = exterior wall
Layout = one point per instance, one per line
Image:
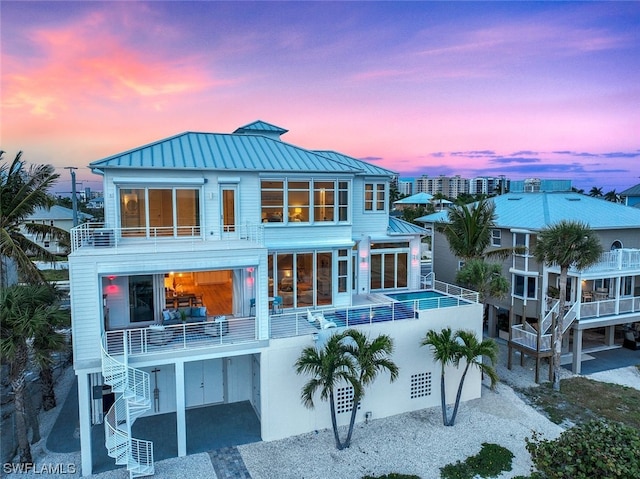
(445, 264)
(283, 412)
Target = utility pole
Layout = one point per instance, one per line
(74, 200)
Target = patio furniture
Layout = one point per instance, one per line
(318, 317)
(159, 335)
(276, 305)
(252, 306)
(216, 326)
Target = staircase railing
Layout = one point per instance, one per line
(133, 398)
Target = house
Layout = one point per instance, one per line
(631, 196)
(58, 217)
(606, 295)
(96, 203)
(220, 258)
(413, 201)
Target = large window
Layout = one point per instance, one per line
(141, 298)
(302, 279)
(160, 212)
(304, 201)
(375, 197)
(389, 265)
(524, 286)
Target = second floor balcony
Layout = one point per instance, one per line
(96, 237)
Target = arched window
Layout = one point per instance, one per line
(616, 245)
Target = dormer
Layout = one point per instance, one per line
(262, 128)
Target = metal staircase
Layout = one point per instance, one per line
(133, 398)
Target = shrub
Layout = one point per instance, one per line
(491, 461)
(593, 449)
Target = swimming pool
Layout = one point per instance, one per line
(427, 299)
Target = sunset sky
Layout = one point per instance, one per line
(546, 89)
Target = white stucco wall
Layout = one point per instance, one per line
(284, 415)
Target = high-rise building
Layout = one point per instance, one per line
(449, 186)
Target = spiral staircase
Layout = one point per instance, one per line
(133, 398)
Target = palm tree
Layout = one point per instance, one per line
(595, 192)
(612, 196)
(472, 351)
(23, 316)
(485, 278)
(372, 357)
(449, 349)
(47, 341)
(445, 350)
(566, 244)
(23, 190)
(468, 231)
(329, 367)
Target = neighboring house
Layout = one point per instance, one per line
(631, 196)
(221, 257)
(96, 203)
(413, 201)
(57, 216)
(603, 296)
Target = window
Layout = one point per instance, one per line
(160, 212)
(141, 298)
(343, 270)
(524, 286)
(519, 239)
(272, 198)
(496, 237)
(389, 265)
(375, 197)
(616, 245)
(304, 201)
(303, 279)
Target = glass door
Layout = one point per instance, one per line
(228, 208)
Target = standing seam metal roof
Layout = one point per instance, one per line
(233, 152)
(535, 211)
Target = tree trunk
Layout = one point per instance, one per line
(443, 399)
(19, 390)
(47, 385)
(352, 421)
(557, 331)
(334, 424)
(458, 396)
(33, 422)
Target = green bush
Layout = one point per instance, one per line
(491, 461)
(393, 475)
(593, 449)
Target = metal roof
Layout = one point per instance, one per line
(56, 212)
(417, 199)
(261, 126)
(534, 211)
(398, 226)
(231, 152)
(368, 168)
(633, 191)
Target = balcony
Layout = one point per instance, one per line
(623, 259)
(289, 323)
(96, 237)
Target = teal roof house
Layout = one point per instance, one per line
(221, 256)
(606, 295)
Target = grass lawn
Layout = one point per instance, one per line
(56, 274)
(581, 399)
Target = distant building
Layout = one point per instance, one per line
(449, 186)
(57, 216)
(535, 185)
(487, 185)
(96, 203)
(405, 186)
(631, 196)
(419, 199)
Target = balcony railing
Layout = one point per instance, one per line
(616, 260)
(610, 307)
(181, 337)
(99, 235)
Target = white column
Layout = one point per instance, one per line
(609, 335)
(181, 416)
(577, 351)
(84, 409)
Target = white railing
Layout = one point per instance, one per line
(617, 259)
(133, 398)
(99, 235)
(529, 339)
(426, 281)
(569, 317)
(546, 322)
(610, 307)
(177, 337)
(295, 323)
(453, 290)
